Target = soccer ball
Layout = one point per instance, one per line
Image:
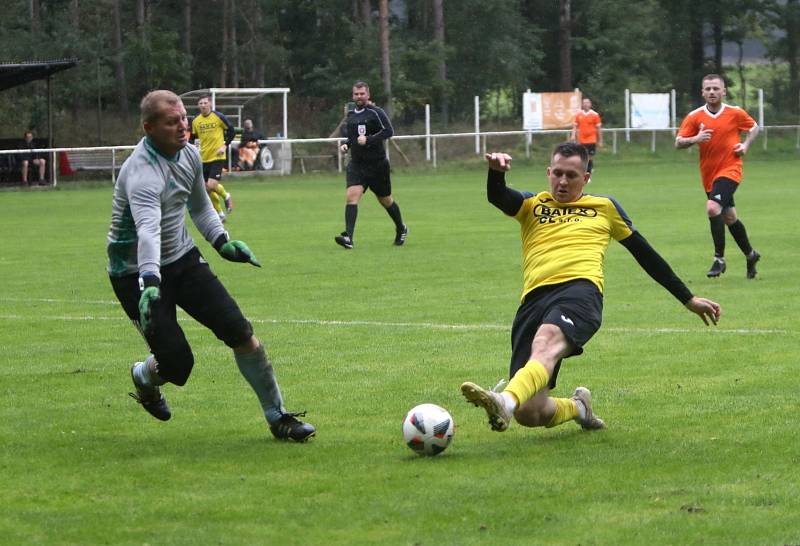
(428, 429)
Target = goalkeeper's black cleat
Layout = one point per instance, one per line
(717, 268)
(344, 240)
(288, 427)
(151, 399)
(400, 236)
(752, 260)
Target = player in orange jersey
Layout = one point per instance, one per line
(586, 130)
(716, 128)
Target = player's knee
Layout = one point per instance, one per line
(729, 216)
(175, 365)
(235, 333)
(549, 345)
(713, 208)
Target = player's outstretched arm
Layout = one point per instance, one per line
(705, 309)
(498, 194)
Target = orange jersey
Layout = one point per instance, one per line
(587, 124)
(716, 155)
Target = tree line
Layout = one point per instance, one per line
(412, 52)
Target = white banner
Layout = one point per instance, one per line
(650, 111)
(531, 111)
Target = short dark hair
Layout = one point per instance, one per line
(26, 133)
(713, 77)
(363, 84)
(571, 148)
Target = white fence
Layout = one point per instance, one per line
(429, 148)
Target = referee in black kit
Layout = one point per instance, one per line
(365, 128)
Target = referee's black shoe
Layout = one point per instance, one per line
(400, 236)
(289, 427)
(752, 260)
(150, 398)
(344, 240)
(717, 268)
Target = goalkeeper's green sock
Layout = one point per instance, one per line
(257, 369)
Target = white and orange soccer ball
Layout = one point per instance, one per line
(428, 429)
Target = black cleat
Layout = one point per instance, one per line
(288, 427)
(151, 399)
(401, 235)
(344, 240)
(717, 268)
(752, 260)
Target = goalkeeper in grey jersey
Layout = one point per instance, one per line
(155, 267)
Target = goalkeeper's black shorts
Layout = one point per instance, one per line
(190, 284)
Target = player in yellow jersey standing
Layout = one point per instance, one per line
(586, 130)
(215, 133)
(716, 128)
(565, 233)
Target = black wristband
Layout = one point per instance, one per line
(149, 279)
(221, 240)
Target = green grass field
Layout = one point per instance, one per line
(701, 445)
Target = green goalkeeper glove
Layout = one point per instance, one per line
(148, 301)
(235, 251)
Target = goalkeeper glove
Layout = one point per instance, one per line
(149, 300)
(235, 251)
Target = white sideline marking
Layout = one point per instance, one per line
(433, 325)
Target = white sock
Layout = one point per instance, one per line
(509, 401)
(581, 409)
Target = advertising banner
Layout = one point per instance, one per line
(650, 111)
(549, 110)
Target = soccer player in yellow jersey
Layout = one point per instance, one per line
(565, 233)
(215, 133)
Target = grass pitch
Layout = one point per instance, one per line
(701, 446)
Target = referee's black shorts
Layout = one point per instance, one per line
(576, 307)
(190, 284)
(374, 176)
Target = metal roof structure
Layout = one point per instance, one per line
(14, 74)
(231, 100)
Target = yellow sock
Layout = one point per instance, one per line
(566, 410)
(221, 191)
(215, 201)
(528, 381)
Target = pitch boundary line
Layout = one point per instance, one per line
(436, 325)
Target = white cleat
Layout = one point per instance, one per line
(583, 396)
(492, 402)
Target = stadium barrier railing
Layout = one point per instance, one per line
(418, 149)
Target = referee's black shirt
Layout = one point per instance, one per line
(373, 123)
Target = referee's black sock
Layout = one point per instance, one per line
(394, 213)
(350, 215)
(718, 234)
(740, 236)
